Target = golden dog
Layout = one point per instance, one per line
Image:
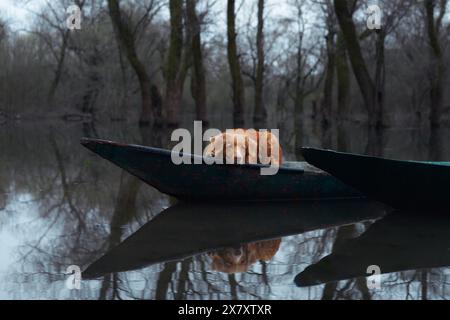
(245, 146)
(239, 259)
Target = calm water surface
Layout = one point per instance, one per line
(61, 205)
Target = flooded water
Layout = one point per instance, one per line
(61, 206)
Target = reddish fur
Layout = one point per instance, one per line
(254, 135)
(226, 261)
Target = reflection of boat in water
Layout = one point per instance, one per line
(399, 242)
(401, 184)
(294, 180)
(186, 230)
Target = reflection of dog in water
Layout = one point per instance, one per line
(239, 259)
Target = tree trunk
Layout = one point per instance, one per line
(235, 67)
(424, 284)
(343, 234)
(299, 105)
(157, 103)
(125, 36)
(198, 82)
(93, 83)
(299, 98)
(299, 124)
(172, 104)
(343, 77)
(437, 62)
(380, 75)
(260, 113)
(366, 85)
(327, 102)
(59, 66)
(174, 64)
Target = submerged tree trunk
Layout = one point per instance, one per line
(299, 99)
(260, 113)
(327, 102)
(175, 68)
(380, 75)
(424, 284)
(343, 77)
(125, 36)
(360, 70)
(157, 104)
(437, 60)
(298, 108)
(93, 83)
(198, 81)
(59, 65)
(164, 282)
(235, 67)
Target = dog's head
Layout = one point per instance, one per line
(238, 259)
(245, 146)
(231, 146)
(230, 260)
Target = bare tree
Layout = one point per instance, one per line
(303, 78)
(92, 50)
(437, 65)
(330, 68)
(177, 63)
(198, 81)
(260, 113)
(343, 76)
(254, 67)
(393, 13)
(52, 17)
(126, 37)
(235, 67)
(343, 71)
(360, 70)
(100, 72)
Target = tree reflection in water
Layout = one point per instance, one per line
(64, 206)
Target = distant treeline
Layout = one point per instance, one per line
(158, 61)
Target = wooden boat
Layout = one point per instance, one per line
(294, 180)
(189, 229)
(401, 184)
(401, 241)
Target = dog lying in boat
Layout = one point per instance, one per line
(245, 146)
(239, 259)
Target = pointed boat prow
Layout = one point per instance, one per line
(196, 180)
(410, 185)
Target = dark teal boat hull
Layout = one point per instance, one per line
(407, 185)
(219, 182)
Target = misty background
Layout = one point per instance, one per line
(251, 62)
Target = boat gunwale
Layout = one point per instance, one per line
(398, 161)
(165, 152)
